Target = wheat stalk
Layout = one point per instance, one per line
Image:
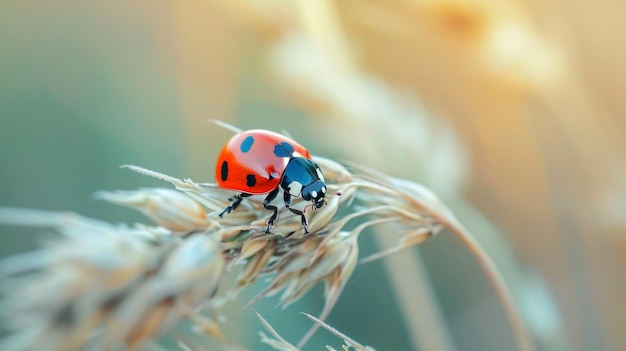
(281, 344)
(118, 286)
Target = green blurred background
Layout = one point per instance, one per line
(512, 111)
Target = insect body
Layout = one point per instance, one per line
(258, 162)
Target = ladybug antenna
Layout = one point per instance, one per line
(338, 193)
(307, 207)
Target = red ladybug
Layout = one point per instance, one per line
(256, 162)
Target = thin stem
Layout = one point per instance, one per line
(412, 289)
(522, 335)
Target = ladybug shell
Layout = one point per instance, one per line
(253, 161)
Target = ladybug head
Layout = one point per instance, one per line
(315, 192)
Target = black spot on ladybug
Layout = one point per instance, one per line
(250, 180)
(224, 170)
(246, 144)
(283, 149)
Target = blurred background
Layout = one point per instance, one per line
(512, 111)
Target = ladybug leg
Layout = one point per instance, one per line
(266, 203)
(287, 198)
(235, 203)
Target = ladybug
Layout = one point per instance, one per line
(256, 162)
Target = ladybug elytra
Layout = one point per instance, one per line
(256, 162)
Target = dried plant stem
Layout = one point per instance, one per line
(522, 335)
(349, 341)
(282, 343)
(125, 285)
(411, 287)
